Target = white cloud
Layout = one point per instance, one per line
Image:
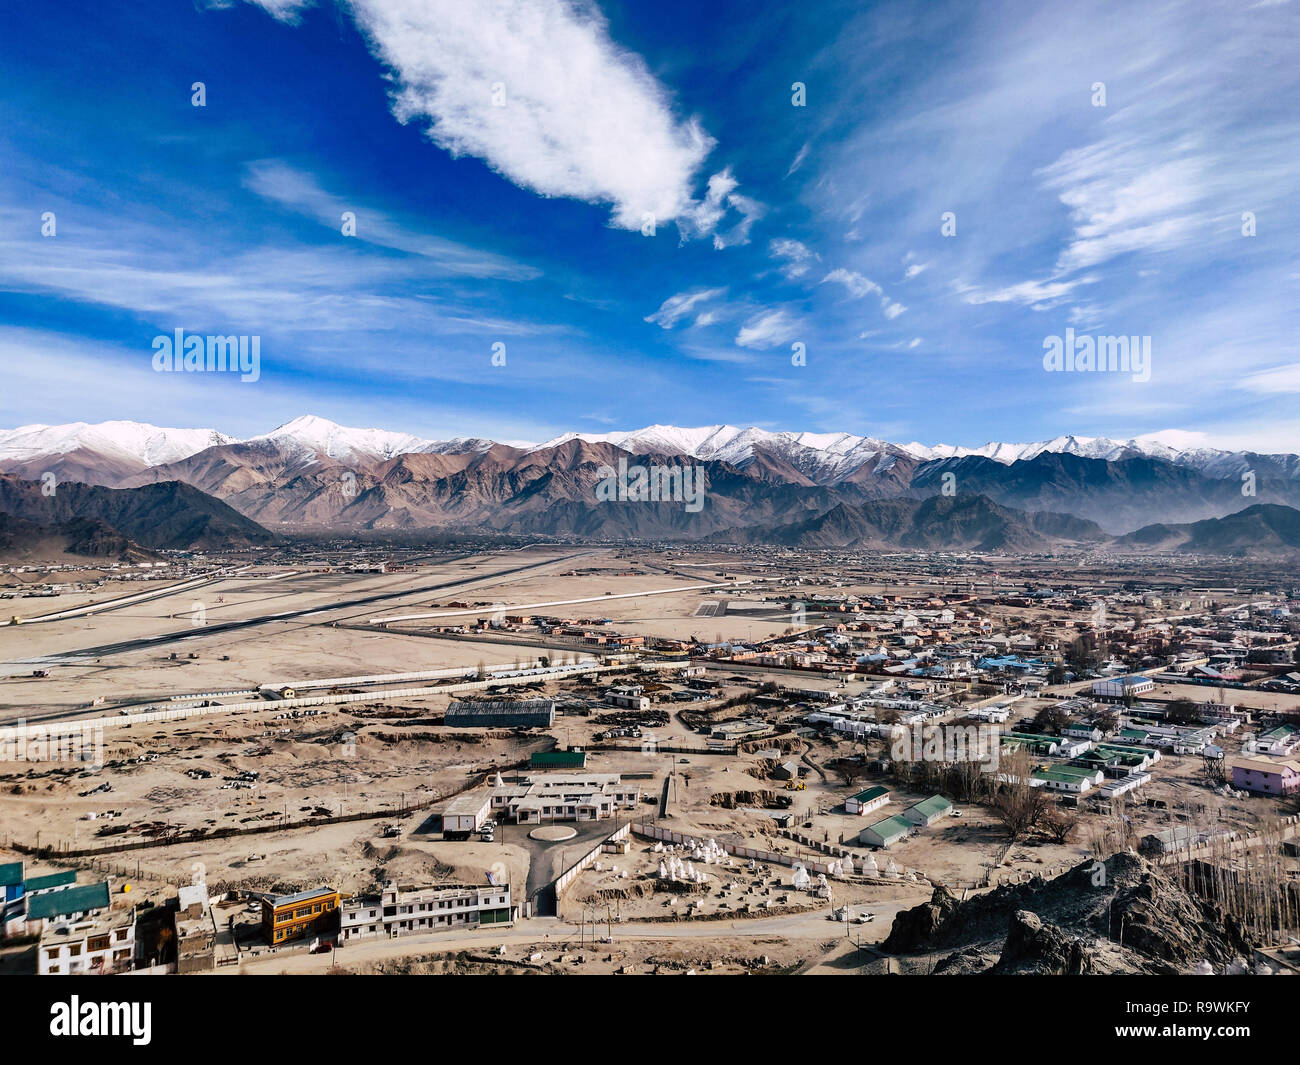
(721, 196)
(856, 283)
(289, 11)
(768, 329)
(1028, 293)
(860, 286)
(1127, 194)
(677, 307)
(797, 257)
(799, 158)
(582, 117)
(1280, 379)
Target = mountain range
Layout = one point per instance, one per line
(106, 452)
(804, 489)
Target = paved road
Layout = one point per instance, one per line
(199, 632)
(551, 932)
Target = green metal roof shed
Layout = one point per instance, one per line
(79, 899)
(51, 880)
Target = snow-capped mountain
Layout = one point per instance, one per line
(310, 436)
(831, 457)
(295, 475)
(149, 445)
(823, 457)
(109, 451)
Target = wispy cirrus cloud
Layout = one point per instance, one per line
(677, 307)
(301, 192)
(768, 329)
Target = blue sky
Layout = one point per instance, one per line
(774, 225)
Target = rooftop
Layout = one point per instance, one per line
(935, 804)
(301, 896)
(890, 826)
(77, 899)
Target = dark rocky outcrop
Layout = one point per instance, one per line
(1122, 915)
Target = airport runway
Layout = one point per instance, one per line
(201, 631)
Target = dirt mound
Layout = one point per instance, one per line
(642, 888)
(768, 800)
(1123, 915)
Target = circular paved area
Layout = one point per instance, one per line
(553, 833)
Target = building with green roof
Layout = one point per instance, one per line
(864, 802)
(885, 833)
(928, 811)
(68, 903)
(1070, 778)
(558, 760)
(50, 882)
(11, 881)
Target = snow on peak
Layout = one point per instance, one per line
(825, 458)
(132, 442)
(313, 435)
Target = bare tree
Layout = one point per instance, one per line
(1018, 804)
(1060, 824)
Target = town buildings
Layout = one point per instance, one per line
(100, 944)
(564, 797)
(398, 911)
(307, 913)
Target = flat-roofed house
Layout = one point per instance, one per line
(288, 917)
(399, 911)
(565, 797)
(100, 944)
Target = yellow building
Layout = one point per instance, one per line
(307, 913)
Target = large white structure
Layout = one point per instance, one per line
(465, 813)
(564, 797)
(397, 912)
(1122, 687)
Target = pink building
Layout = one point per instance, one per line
(1266, 776)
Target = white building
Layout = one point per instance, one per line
(627, 696)
(886, 832)
(565, 797)
(465, 813)
(865, 801)
(101, 944)
(399, 912)
(1122, 687)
